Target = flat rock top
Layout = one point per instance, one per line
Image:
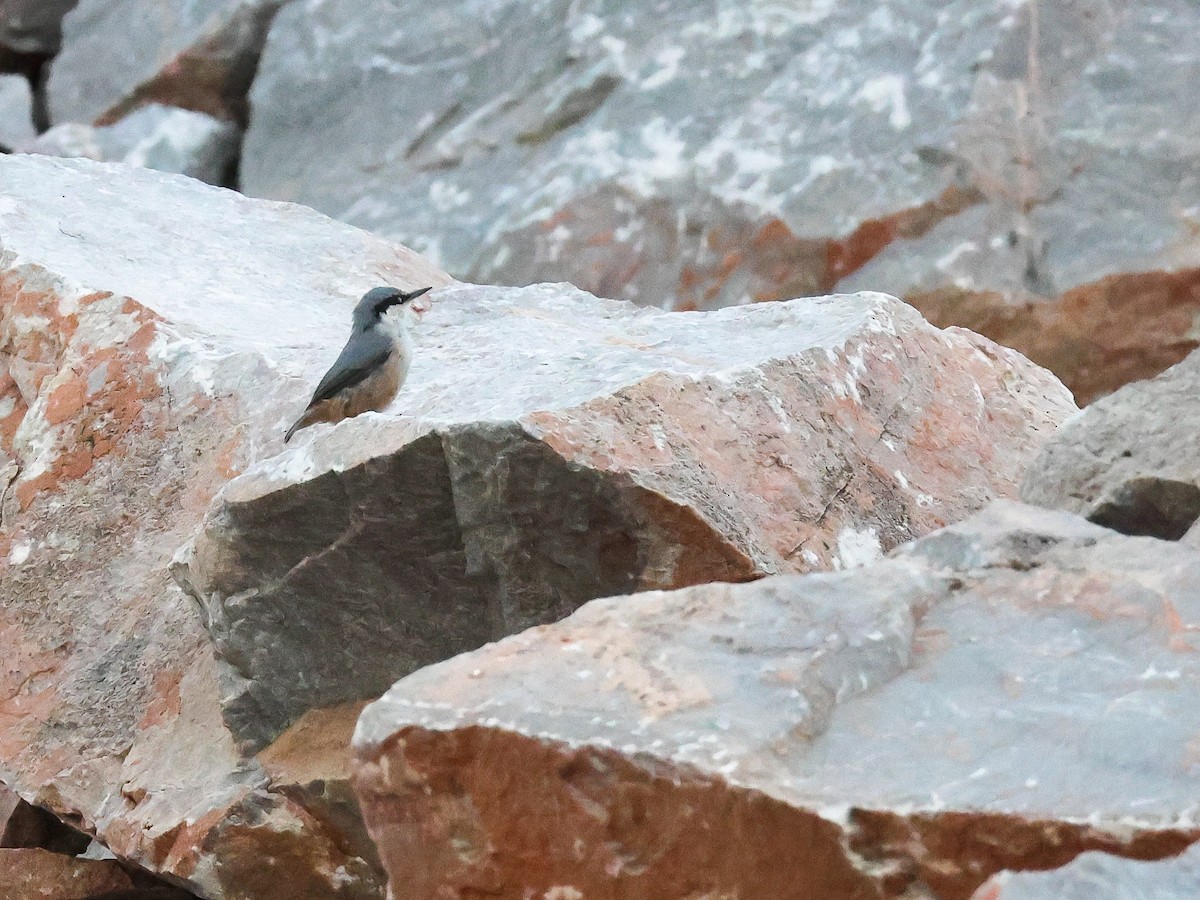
(1024, 661)
(248, 274)
(553, 346)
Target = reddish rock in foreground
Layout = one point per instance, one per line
(1004, 694)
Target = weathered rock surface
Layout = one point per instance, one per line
(195, 54)
(1003, 694)
(16, 111)
(156, 335)
(1026, 169)
(1130, 461)
(600, 449)
(164, 138)
(41, 875)
(1098, 876)
(32, 26)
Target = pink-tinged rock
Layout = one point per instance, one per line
(156, 336)
(41, 875)
(1099, 876)
(1006, 693)
(556, 448)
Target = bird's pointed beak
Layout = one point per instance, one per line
(408, 298)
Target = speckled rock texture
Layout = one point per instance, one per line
(32, 26)
(1025, 169)
(1130, 461)
(156, 337)
(554, 448)
(1006, 693)
(118, 55)
(1098, 876)
(164, 138)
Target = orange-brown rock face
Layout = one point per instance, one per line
(1007, 693)
(42, 875)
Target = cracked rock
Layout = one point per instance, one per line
(157, 336)
(1006, 693)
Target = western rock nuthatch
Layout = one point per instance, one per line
(372, 366)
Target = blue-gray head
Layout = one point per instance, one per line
(377, 301)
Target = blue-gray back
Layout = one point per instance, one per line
(363, 354)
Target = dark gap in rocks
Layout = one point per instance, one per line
(41, 103)
(1151, 507)
(232, 176)
(32, 826)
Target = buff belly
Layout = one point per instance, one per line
(372, 394)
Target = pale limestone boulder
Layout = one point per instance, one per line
(159, 335)
(555, 448)
(156, 335)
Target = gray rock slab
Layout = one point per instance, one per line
(553, 447)
(155, 334)
(972, 158)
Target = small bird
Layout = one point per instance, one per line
(372, 366)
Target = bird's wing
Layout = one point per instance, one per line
(359, 358)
